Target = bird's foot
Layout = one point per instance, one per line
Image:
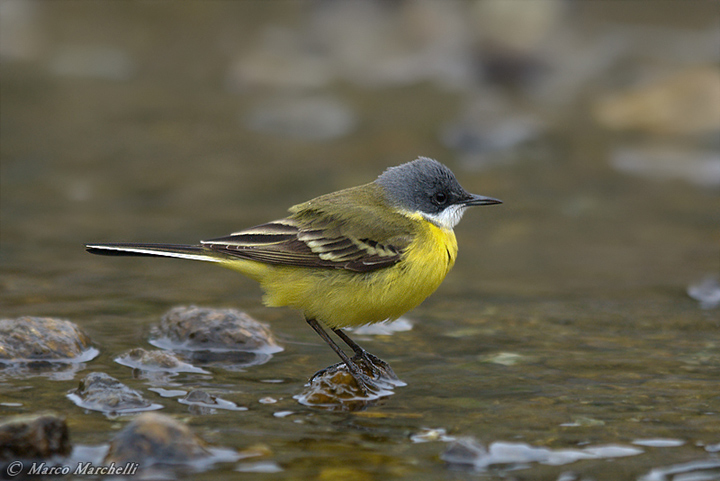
(372, 375)
(376, 369)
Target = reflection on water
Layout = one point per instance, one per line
(467, 452)
(575, 320)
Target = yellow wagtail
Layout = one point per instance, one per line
(357, 256)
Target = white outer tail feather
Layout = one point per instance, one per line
(159, 251)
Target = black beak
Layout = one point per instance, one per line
(473, 199)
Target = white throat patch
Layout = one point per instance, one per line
(448, 218)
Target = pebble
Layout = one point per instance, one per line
(100, 392)
(225, 337)
(35, 436)
(154, 438)
(468, 452)
(29, 339)
(156, 360)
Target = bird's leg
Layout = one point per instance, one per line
(352, 344)
(362, 379)
(377, 366)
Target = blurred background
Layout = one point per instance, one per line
(597, 123)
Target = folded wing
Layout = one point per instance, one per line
(319, 244)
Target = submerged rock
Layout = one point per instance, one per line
(154, 438)
(205, 328)
(37, 436)
(29, 339)
(205, 403)
(504, 358)
(468, 452)
(335, 388)
(101, 392)
(431, 434)
(226, 336)
(698, 470)
(156, 360)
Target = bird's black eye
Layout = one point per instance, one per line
(440, 198)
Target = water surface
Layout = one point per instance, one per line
(564, 325)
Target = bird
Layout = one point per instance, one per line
(356, 256)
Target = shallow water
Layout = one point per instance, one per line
(565, 324)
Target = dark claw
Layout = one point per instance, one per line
(369, 371)
(372, 374)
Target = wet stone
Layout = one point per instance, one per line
(37, 436)
(467, 452)
(331, 387)
(30, 339)
(335, 388)
(101, 392)
(431, 434)
(464, 452)
(200, 396)
(503, 358)
(698, 470)
(156, 360)
(225, 336)
(154, 438)
(207, 403)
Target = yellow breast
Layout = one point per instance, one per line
(341, 298)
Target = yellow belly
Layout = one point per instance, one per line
(342, 298)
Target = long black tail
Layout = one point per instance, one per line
(180, 251)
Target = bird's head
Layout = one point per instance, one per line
(427, 187)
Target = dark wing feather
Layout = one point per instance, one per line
(322, 244)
